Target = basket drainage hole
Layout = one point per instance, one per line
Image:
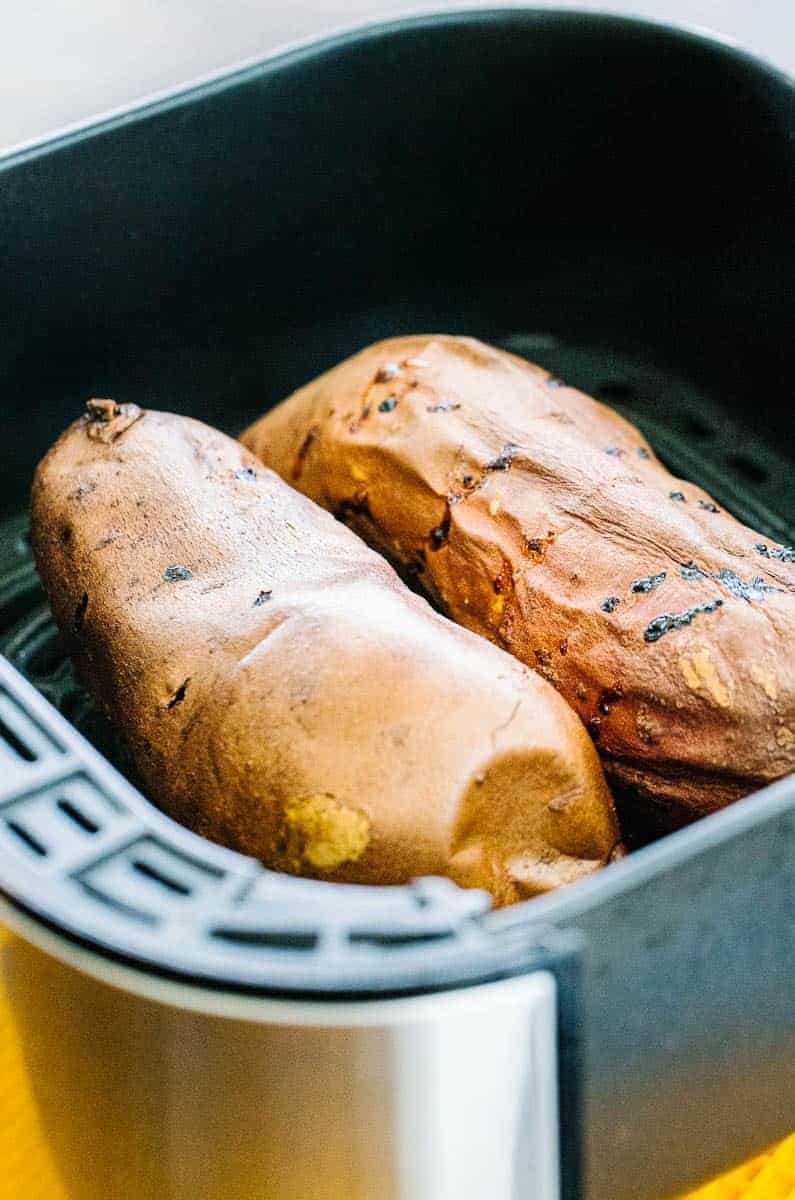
(25, 836)
(617, 393)
(271, 939)
(77, 817)
(149, 872)
(698, 427)
(397, 939)
(15, 743)
(752, 471)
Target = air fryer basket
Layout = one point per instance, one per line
(612, 199)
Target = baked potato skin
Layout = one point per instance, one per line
(543, 521)
(281, 690)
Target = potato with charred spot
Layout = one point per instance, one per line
(282, 692)
(542, 520)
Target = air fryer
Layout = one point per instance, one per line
(610, 198)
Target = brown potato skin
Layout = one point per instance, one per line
(291, 698)
(406, 442)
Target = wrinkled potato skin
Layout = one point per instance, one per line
(527, 551)
(291, 698)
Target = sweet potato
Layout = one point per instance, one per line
(542, 520)
(281, 691)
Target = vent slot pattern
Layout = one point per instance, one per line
(359, 937)
(22, 741)
(151, 879)
(12, 746)
(65, 822)
(149, 872)
(271, 939)
(77, 816)
(26, 837)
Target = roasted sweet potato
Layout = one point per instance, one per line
(281, 690)
(542, 520)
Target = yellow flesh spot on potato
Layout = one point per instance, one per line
(358, 473)
(324, 833)
(701, 675)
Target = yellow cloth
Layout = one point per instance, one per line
(27, 1169)
(26, 1166)
(769, 1177)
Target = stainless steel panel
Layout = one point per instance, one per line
(444, 1097)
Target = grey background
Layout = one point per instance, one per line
(64, 61)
